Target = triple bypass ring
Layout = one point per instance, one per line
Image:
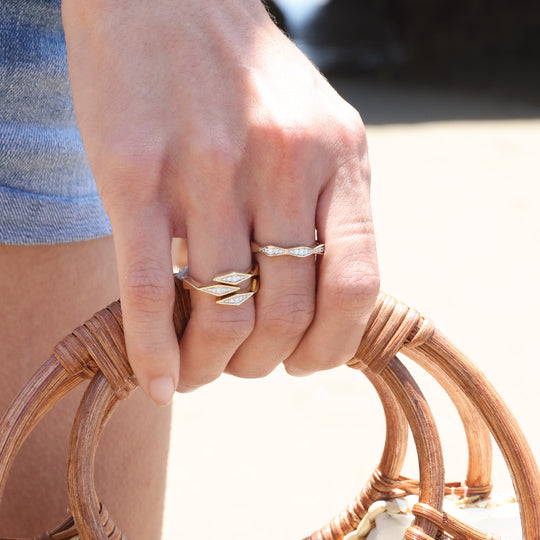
(298, 251)
(231, 289)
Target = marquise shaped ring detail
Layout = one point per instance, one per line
(230, 289)
(297, 251)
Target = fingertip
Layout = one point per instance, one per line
(156, 368)
(186, 389)
(295, 371)
(161, 390)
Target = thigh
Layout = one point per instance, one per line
(45, 292)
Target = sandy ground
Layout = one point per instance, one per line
(456, 191)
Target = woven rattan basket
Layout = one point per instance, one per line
(96, 351)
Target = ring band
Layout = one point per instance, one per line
(241, 297)
(297, 251)
(227, 287)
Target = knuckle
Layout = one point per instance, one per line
(288, 153)
(293, 145)
(131, 168)
(227, 329)
(357, 129)
(147, 351)
(198, 379)
(134, 155)
(217, 156)
(317, 363)
(285, 145)
(289, 317)
(354, 294)
(207, 159)
(334, 362)
(352, 134)
(148, 289)
(250, 371)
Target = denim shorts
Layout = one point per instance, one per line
(47, 191)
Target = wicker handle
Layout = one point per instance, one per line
(98, 347)
(93, 521)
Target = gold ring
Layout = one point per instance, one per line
(297, 251)
(229, 289)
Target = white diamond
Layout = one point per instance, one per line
(272, 251)
(236, 299)
(300, 251)
(319, 248)
(234, 277)
(219, 290)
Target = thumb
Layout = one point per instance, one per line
(143, 252)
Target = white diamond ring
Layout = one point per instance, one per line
(297, 251)
(227, 288)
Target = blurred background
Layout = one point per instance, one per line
(488, 45)
(449, 93)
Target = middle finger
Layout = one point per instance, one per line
(285, 303)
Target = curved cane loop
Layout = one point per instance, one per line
(385, 477)
(426, 438)
(393, 326)
(396, 379)
(478, 477)
(46, 387)
(91, 517)
(450, 525)
(98, 346)
(100, 341)
(384, 486)
(502, 424)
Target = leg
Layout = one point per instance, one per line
(45, 292)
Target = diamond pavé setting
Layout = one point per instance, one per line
(220, 290)
(236, 299)
(300, 251)
(273, 251)
(233, 277)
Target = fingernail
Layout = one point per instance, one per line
(161, 390)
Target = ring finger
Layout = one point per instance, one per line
(214, 330)
(285, 302)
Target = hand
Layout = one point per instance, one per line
(201, 120)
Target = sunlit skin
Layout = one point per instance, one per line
(202, 120)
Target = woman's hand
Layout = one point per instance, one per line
(202, 120)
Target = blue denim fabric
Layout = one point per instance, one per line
(47, 191)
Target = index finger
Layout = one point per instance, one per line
(143, 251)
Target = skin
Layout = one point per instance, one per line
(201, 120)
(47, 291)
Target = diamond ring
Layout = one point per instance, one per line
(297, 251)
(232, 288)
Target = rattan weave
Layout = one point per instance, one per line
(96, 351)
